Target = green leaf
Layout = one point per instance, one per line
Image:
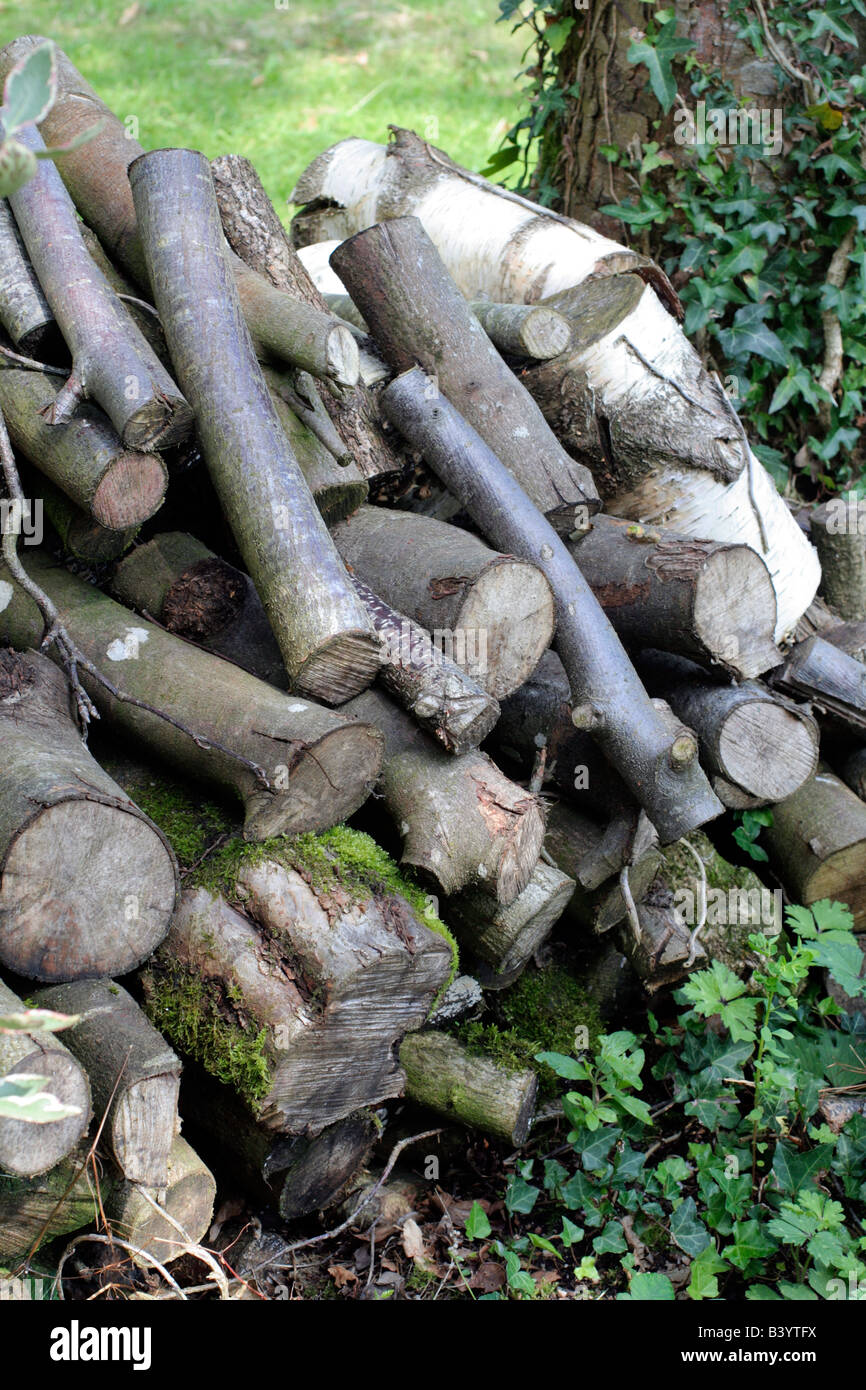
(37, 1021)
(750, 1243)
(689, 1233)
(587, 1270)
(704, 1268)
(477, 1225)
(571, 1234)
(794, 1168)
(567, 1067)
(611, 1241)
(542, 1243)
(22, 1097)
(649, 1288)
(30, 89)
(17, 166)
(657, 56)
(520, 1196)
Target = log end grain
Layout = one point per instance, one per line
(161, 422)
(340, 668)
(749, 741)
(130, 492)
(734, 613)
(505, 625)
(27, 1149)
(319, 786)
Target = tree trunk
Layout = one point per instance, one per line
(841, 546)
(595, 855)
(299, 998)
(463, 823)
(417, 315)
(134, 1074)
(112, 362)
(295, 765)
(444, 1077)
(712, 602)
(492, 614)
(503, 939)
(818, 843)
(68, 910)
(83, 455)
(24, 310)
(765, 745)
(656, 757)
(833, 682)
(327, 641)
(28, 1149)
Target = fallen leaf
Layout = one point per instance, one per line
(488, 1277)
(342, 1276)
(413, 1241)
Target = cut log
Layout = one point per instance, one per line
(134, 1074)
(338, 487)
(503, 939)
(656, 757)
(712, 602)
(417, 315)
(848, 637)
(595, 856)
(292, 331)
(298, 998)
(112, 362)
(327, 641)
(660, 950)
(79, 535)
(135, 1211)
(523, 330)
(853, 770)
(35, 1210)
(818, 843)
(763, 745)
(463, 823)
(83, 456)
(24, 310)
(87, 882)
(490, 613)
(833, 682)
(444, 1077)
(838, 531)
(295, 765)
(28, 1149)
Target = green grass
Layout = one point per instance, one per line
(281, 84)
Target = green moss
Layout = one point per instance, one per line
(681, 867)
(189, 825)
(189, 1015)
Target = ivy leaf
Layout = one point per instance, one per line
(657, 54)
(520, 1196)
(649, 1288)
(477, 1224)
(793, 1169)
(611, 1241)
(750, 1244)
(571, 1234)
(30, 89)
(689, 1233)
(704, 1268)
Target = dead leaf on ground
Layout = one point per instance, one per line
(489, 1277)
(129, 14)
(413, 1240)
(342, 1276)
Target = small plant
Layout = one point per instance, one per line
(29, 93)
(748, 830)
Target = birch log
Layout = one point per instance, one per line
(24, 311)
(329, 646)
(417, 315)
(27, 1149)
(656, 757)
(295, 765)
(493, 614)
(87, 882)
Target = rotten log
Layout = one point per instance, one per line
(417, 315)
(296, 986)
(295, 765)
(134, 1074)
(329, 646)
(818, 844)
(493, 614)
(444, 1077)
(462, 822)
(712, 602)
(87, 882)
(112, 362)
(831, 680)
(503, 939)
(759, 746)
(28, 1149)
(655, 755)
(599, 857)
(83, 455)
(24, 311)
(838, 531)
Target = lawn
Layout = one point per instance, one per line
(280, 80)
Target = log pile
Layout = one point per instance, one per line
(439, 528)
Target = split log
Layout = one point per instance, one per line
(327, 641)
(760, 746)
(297, 994)
(295, 765)
(818, 843)
(134, 1074)
(444, 1077)
(595, 856)
(656, 756)
(296, 1174)
(705, 600)
(27, 1149)
(462, 822)
(83, 455)
(24, 310)
(417, 315)
(503, 939)
(112, 362)
(338, 487)
(88, 882)
(838, 531)
(491, 613)
(833, 682)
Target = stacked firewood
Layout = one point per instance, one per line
(451, 477)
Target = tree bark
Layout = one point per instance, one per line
(492, 613)
(112, 362)
(88, 882)
(134, 1074)
(655, 756)
(83, 455)
(523, 330)
(327, 641)
(27, 1149)
(841, 546)
(417, 315)
(24, 310)
(79, 535)
(318, 765)
(35, 1210)
(444, 1077)
(595, 855)
(504, 939)
(463, 823)
(818, 843)
(833, 682)
(712, 602)
(338, 487)
(320, 981)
